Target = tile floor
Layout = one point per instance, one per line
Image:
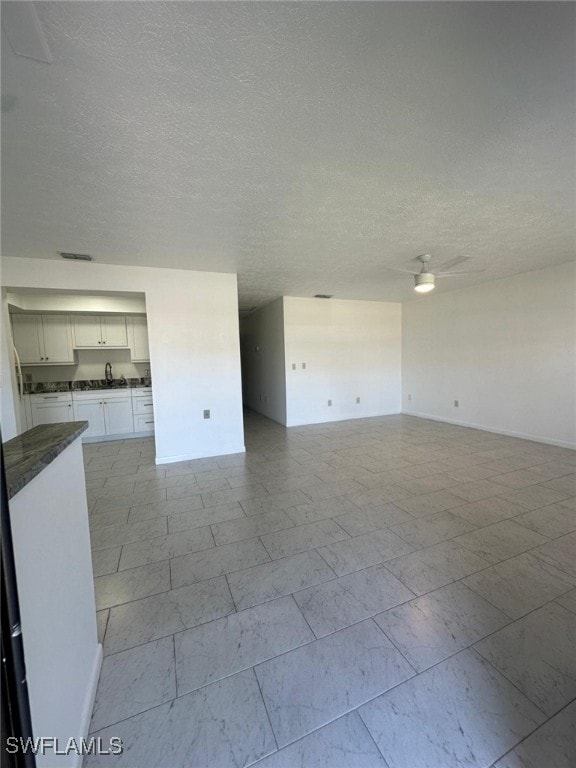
(388, 592)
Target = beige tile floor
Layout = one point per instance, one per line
(382, 592)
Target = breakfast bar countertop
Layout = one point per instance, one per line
(26, 455)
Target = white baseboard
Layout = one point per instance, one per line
(495, 430)
(348, 417)
(199, 455)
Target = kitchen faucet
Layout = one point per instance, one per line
(108, 373)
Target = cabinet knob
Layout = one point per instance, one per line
(99, 342)
(47, 358)
(103, 342)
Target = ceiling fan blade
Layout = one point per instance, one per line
(405, 271)
(453, 262)
(457, 274)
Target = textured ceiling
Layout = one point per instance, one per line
(306, 146)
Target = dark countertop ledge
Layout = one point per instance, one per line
(26, 455)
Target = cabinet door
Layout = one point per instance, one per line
(51, 414)
(91, 411)
(87, 331)
(139, 351)
(57, 339)
(27, 333)
(114, 331)
(118, 415)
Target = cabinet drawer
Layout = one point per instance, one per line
(142, 392)
(48, 398)
(144, 423)
(102, 394)
(143, 405)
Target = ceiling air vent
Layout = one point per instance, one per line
(322, 296)
(76, 256)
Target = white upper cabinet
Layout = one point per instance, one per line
(27, 331)
(100, 331)
(43, 339)
(57, 338)
(87, 332)
(114, 332)
(138, 334)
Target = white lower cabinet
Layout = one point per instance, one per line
(143, 409)
(91, 411)
(51, 408)
(118, 415)
(144, 422)
(107, 413)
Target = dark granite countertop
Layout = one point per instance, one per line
(26, 455)
(86, 385)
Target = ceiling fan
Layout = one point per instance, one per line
(424, 280)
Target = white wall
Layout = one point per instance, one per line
(194, 346)
(350, 349)
(263, 361)
(63, 303)
(505, 350)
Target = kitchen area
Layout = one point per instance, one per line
(83, 358)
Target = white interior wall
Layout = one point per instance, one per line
(263, 361)
(63, 303)
(194, 346)
(350, 349)
(506, 350)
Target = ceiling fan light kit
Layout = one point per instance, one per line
(424, 282)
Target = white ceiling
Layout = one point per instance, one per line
(305, 146)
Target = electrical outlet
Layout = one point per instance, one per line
(303, 366)
(456, 403)
(357, 400)
(207, 414)
(409, 397)
(293, 366)
(329, 402)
